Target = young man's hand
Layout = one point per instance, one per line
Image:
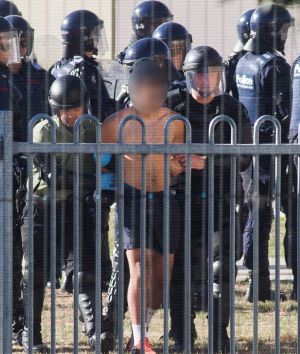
(176, 167)
(197, 162)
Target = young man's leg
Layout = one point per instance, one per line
(156, 279)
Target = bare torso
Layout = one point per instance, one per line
(132, 134)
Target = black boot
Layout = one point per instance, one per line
(221, 321)
(265, 292)
(38, 345)
(178, 338)
(87, 311)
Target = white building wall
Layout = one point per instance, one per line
(211, 22)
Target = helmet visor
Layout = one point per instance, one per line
(98, 40)
(206, 83)
(9, 48)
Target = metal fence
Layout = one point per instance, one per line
(8, 148)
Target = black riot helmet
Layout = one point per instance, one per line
(147, 16)
(152, 48)
(68, 92)
(177, 38)
(25, 32)
(9, 44)
(243, 30)
(83, 31)
(200, 64)
(8, 8)
(269, 26)
(146, 48)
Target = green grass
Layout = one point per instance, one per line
(244, 321)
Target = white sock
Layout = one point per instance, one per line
(136, 330)
(149, 315)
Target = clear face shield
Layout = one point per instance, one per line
(98, 40)
(209, 82)
(282, 35)
(9, 48)
(179, 50)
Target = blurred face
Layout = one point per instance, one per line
(148, 96)
(69, 116)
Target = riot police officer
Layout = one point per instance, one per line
(8, 8)
(177, 38)
(179, 41)
(69, 100)
(243, 30)
(29, 77)
(263, 82)
(10, 101)
(84, 38)
(31, 80)
(204, 100)
(146, 17)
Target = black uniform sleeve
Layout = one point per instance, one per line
(277, 80)
(238, 113)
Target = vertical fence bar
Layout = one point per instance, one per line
(143, 238)
(142, 220)
(53, 246)
(6, 227)
(98, 237)
(232, 231)
(255, 201)
(120, 212)
(30, 193)
(187, 240)
(210, 242)
(166, 245)
(98, 219)
(298, 243)
(277, 237)
(232, 252)
(30, 251)
(76, 235)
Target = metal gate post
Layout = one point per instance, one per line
(6, 227)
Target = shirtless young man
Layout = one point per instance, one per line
(148, 85)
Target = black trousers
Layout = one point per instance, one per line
(199, 264)
(41, 251)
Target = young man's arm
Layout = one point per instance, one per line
(109, 130)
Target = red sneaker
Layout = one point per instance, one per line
(148, 349)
